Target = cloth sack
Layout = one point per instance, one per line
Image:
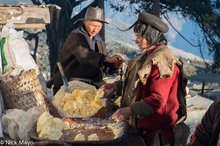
(17, 123)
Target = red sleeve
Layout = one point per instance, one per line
(159, 88)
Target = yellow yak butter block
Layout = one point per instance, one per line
(49, 127)
(81, 102)
(68, 107)
(50, 133)
(66, 126)
(100, 93)
(44, 121)
(79, 137)
(57, 123)
(96, 104)
(93, 137)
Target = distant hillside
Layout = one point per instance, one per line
(187, 55)
(192, 64)
(112, 34)
(117, 46)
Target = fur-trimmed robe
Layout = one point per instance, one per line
(160, 62)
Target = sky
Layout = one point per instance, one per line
(187, 28)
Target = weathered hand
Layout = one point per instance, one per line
(115, 58)
(118, 64)
(108, 89)
(121, 114)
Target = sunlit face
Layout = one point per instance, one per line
(142, 44)
(92, 27)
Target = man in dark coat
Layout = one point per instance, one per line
(208, 132)
(84, 53)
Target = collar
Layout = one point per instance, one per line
(97, 37)
(151, 50)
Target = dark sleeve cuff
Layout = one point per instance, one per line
(108, 68)
(118, 86)
(101, 62)
(141, 109)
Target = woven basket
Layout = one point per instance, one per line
(23, 91)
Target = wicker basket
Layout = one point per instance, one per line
(23, 91)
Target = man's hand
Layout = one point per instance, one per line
(121, 114)
(115, 58)
(108, 89)
(118, 64)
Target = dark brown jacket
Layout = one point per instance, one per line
(79, 60)
(207, 133)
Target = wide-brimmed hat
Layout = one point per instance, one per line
(96, 14)
(152, 20)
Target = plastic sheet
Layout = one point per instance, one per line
(17, 123)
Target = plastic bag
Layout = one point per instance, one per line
(9, 29)
(17, 123)
(17, 51)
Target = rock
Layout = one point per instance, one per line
(196, 108)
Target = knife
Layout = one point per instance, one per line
(65, 82)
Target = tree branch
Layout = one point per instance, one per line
(180, 33)
(74, 3)
(36, 2)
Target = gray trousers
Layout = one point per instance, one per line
(137, 140)
(157, 141)
(134, 140)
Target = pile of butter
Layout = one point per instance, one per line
(81, 102)
(49, 127)
(116, 128)
(52, 128)
(81, 137)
